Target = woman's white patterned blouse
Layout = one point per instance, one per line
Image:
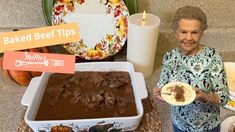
(205, 71)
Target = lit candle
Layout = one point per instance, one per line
(142, 38)
(143, 18)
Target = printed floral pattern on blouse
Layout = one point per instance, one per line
(205, 71)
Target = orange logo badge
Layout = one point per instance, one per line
(45, 62)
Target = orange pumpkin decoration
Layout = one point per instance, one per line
(61, 128)
(23, 77)
(122, 26)
(94, 53)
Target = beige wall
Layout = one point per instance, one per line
(220, 13)
(221, 24)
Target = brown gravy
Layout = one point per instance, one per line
(85, 95)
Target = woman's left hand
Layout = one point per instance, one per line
(200, 95)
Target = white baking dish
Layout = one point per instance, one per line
(35, 91)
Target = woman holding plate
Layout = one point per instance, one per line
(199, 66)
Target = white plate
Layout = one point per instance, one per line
(102, 26)
(189, 94)
(232, 95)
(227, 123)
(231, 103)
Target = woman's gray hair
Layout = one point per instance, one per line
(189, 12)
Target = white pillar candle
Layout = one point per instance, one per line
(142, 41)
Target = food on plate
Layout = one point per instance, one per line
(87, 94)
(178, 92)
(232, 127)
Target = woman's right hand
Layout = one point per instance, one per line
(156, 93)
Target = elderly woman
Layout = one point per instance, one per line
(199, 66)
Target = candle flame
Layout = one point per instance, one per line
(144, 16)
